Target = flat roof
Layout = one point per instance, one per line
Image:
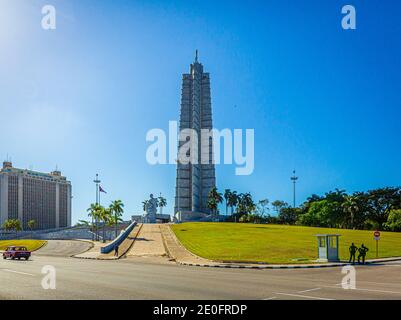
(32, 173)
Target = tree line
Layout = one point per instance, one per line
(16, 225)
(374, 209)
(101, 216)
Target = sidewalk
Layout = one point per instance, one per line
(184, 257)
(149, 242)
(94, 252)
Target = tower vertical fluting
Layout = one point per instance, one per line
(195, 180)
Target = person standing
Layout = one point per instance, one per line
(116, 251)
(352, 251)
(362, 253)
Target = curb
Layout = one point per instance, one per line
(174, 236)
(124, 255)
(111, 258)
(238, 266)
(261, 267)
(86, 241)
(88, 258)
(44, 244)
(228, 265)
(380, 260)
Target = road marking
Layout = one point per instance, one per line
(19, 272)
(301, 296)
(272, 298)
(314, 289)
(372, 290)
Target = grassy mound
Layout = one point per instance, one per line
(31, 245)
(274, 243)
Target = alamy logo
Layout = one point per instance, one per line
(349, 20)
(49, 280)
(349, 280)
(49, 17)
(203, 147)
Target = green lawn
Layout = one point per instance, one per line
(274, 243)
(31, 245)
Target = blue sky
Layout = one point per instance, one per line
(322, 100)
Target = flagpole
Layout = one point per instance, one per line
(97, 181)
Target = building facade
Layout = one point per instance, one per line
(29, 195)
(194, 180)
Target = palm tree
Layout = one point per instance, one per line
(31, 224)
(214, 198)
(13, 224)
(92, 213)
(249, 204)
(104, 216)
(227, 195)
(212, 205)
(162, 203)
(17, 226)
(114, 221)
(144, 203)
(116, 208)
(8, 225)
(351, 207)
(232, 202)
(245, 204)
(83, 223)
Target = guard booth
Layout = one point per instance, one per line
(328, 247)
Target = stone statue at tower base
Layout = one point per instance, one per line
(151, 210)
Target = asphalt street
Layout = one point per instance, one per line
(63, 248)
(157, 278)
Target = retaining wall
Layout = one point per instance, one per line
(117, 241)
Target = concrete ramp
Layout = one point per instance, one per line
(124, 247)
(63, 248)
(149, 242)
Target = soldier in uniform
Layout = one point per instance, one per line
(352, 251)
(362, 253)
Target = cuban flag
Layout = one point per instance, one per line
(101, 189)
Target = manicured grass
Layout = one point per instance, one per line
(274, 243)
(31, 245)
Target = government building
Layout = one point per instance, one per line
(29, 195)
(194, 181)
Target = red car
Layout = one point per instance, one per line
(16, 252)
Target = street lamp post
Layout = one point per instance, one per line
(294, 179)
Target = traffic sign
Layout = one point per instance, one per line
(376, 235)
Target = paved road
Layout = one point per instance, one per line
(63, 248)
(156, 278)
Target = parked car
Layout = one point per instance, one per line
(16, 252)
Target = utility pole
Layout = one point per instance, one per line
(294, 179)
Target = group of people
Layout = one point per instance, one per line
(353, 249)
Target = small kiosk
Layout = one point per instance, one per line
(328, 247)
